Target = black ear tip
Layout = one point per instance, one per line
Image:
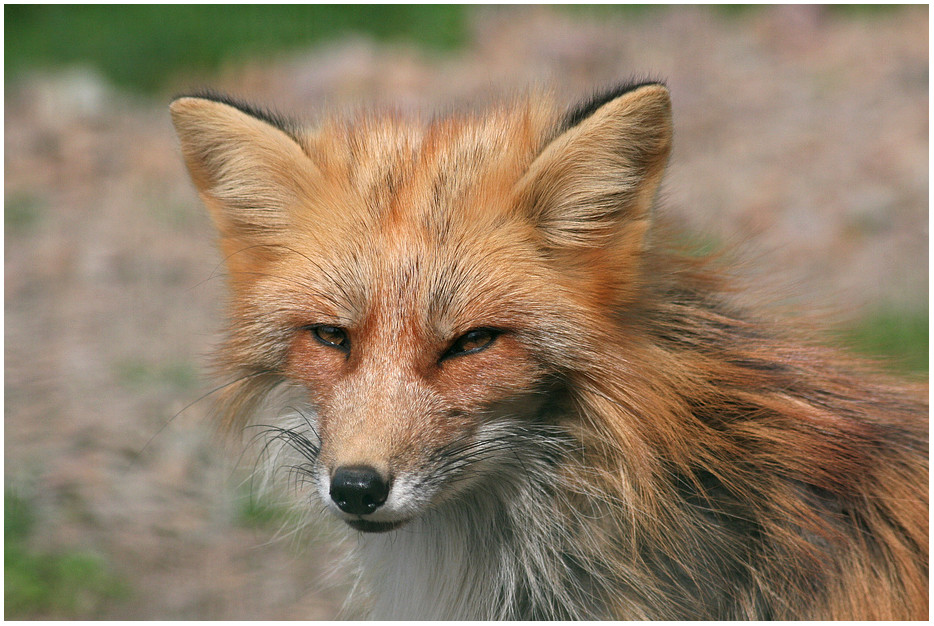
(270, 116)
(587, 108)
(206, 93)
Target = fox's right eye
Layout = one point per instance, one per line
(332, 336)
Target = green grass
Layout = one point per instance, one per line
(898, 339)
(62, 585)
(22, 212)
(262, 512)
(144, 46)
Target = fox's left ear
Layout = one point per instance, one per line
(593, 186)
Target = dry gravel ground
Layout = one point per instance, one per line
(801, 132)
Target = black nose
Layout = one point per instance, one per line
(358, 489)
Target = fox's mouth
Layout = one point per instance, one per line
(367, 526)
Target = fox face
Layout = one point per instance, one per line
(403, 371)
(426, 286)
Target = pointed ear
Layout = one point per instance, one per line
(247, 166)
(593, 186)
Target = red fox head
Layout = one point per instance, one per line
(424, 285)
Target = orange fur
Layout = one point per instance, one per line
(625, 442)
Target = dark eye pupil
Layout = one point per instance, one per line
(331, 335)
(473, 341)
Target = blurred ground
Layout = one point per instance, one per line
(800, 131)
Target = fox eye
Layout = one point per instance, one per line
(332, 336)
(472, 341)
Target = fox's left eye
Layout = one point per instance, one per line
(472, 341)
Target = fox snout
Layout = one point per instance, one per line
(359, 487)
(366, 498)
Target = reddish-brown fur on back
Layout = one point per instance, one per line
(623, 440)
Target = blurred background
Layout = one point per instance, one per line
(801, 136)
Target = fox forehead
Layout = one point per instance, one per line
(390, 169)
(450, 281)
(414, 213)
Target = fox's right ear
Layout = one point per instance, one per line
(248, 168)
(591, 190)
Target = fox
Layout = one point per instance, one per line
(494, 366)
